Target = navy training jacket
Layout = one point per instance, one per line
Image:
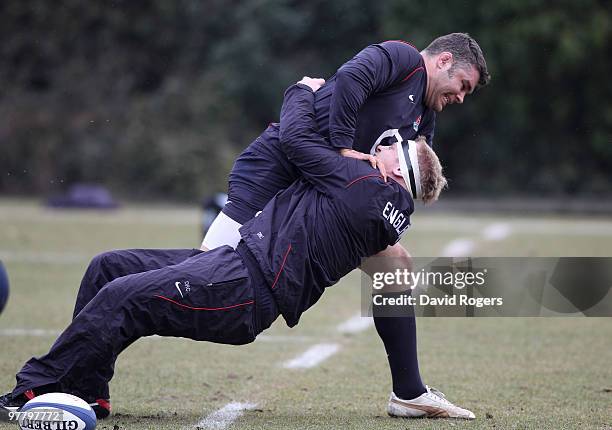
(383, 87)
(316, 231)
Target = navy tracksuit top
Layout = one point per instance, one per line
(316, 231)
(381, 88)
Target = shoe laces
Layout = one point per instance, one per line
(440, 395)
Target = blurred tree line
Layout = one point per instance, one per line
(155, 98)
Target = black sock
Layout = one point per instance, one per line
(399, 336)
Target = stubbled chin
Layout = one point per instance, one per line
(436, 106)
(441, 104)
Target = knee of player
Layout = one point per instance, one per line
(115, 294)
(103, 260)
(403, 257)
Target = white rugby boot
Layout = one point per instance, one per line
(431, 404)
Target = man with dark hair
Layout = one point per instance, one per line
(305, 239)
(388, 92)
(465, 53)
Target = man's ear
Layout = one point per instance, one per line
(445, 60)
(397, 170)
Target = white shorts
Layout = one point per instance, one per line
(223, 231)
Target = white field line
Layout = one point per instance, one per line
(33, 332)
(496, 231)
(463, 247)
(265, 338)
(42, 257)
(280, 338)
(138, 217)
(39, 332)
(355, 324)
(576, 228)
(458, 248)
(536, 227)
(313, 356)
(224, 417)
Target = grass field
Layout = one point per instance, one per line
(537, 373)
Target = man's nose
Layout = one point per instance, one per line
(459, 97)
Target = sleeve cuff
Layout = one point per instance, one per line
(304, 87)
(341, 141)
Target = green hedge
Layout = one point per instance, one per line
(155, 98)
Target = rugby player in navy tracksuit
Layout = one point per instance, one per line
(304, 240)
(388, 89)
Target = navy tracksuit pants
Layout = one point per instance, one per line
(217, 296)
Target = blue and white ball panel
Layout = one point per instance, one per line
(57, 411)
(4, 287)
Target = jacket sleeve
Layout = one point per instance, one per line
(371, 71)
(301, 142)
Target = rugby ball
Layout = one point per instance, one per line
(4, 287)
(57, 411)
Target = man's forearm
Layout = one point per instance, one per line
(299, 137)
